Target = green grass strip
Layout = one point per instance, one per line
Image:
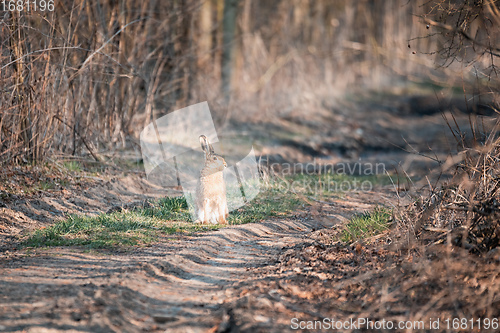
(367, 224)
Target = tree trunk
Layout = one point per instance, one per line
(205, 38)
(229, 28)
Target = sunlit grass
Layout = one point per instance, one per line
(141, 226)
(72, 166)
(367, 224)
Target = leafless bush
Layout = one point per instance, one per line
(86, 78)
(468, 33)
(465, 210)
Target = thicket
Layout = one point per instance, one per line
(84, 79)
(465, 210)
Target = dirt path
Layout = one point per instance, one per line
(178, 286)
(256, 277)
(181, 284)
(248, 278)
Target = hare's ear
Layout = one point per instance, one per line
(212, 151)
(205, 145)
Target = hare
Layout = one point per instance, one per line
(210, 201)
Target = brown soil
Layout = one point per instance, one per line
(248, 278)
(180, 284)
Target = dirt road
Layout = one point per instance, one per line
(246, 278)
(178, 285)
(207, 282)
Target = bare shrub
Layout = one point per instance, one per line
(468, 33)
(84, 79)
(465, 210)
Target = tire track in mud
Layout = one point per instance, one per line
(175, 286)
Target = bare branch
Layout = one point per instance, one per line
(448, 27)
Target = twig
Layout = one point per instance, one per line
(81, 137)
(38, 51)
(448, 27)
(102, 46)
(436, 229)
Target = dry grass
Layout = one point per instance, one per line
(85, 79)
(465, 210)
(445, 250)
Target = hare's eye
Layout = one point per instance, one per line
(215, 158)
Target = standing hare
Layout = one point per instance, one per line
(211, 203)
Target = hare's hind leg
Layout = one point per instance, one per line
(223, 212)
(200, 216)
(206, 211)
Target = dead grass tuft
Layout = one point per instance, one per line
(464, 211)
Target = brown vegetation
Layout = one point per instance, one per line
(84, 79)
(464, 211)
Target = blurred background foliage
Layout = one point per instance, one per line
(86, 78)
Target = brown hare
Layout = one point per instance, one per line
(211, 202)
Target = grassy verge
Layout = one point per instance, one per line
(367, 224)
(142, 226)
(134, 227)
